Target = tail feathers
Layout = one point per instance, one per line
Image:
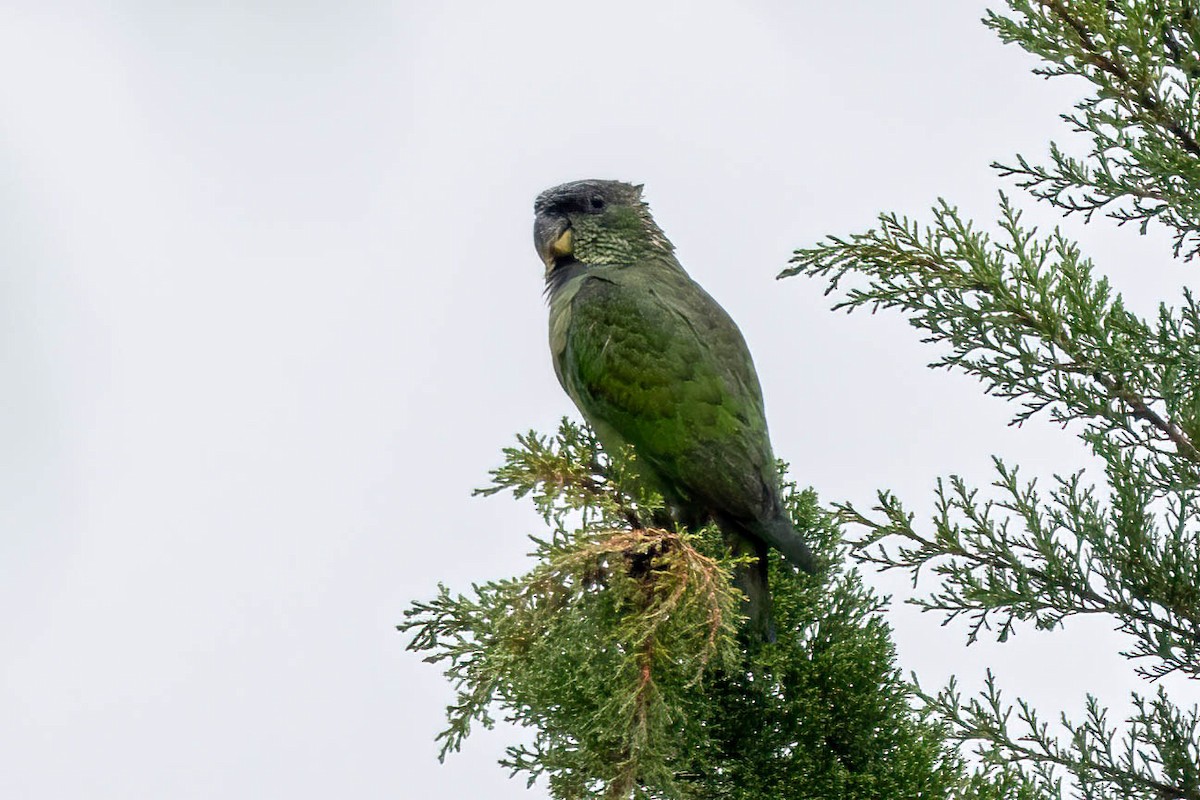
(751, 579)
(780, 534)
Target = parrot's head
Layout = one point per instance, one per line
(595, 223)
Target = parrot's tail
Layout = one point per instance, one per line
(780, 534)
(751, 579)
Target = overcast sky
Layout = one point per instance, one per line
(270, 310)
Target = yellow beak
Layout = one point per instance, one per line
(563, 245)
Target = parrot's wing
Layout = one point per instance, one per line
(661, 365)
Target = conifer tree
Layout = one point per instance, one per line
(620, 650)
(1030, 316)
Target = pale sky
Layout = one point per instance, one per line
(271, 310)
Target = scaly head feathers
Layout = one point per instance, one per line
(595, 223)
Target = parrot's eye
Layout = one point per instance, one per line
(597, 202)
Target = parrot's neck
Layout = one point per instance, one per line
(563, 275)
(558, 277)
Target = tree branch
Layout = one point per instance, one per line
(1143, 94)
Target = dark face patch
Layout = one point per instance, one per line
(585, 197)
(596, 223)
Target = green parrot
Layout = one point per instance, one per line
(653, 362)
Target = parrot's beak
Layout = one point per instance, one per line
(553, 239)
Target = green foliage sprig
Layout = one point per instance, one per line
(600, 648)
(1030, 318)
(619, 650)
(1142, 59)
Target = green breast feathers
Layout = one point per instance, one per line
(658, 365)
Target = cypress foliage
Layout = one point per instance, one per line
(1031, 318)
(620, 650)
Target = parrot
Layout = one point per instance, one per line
(655, 364)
